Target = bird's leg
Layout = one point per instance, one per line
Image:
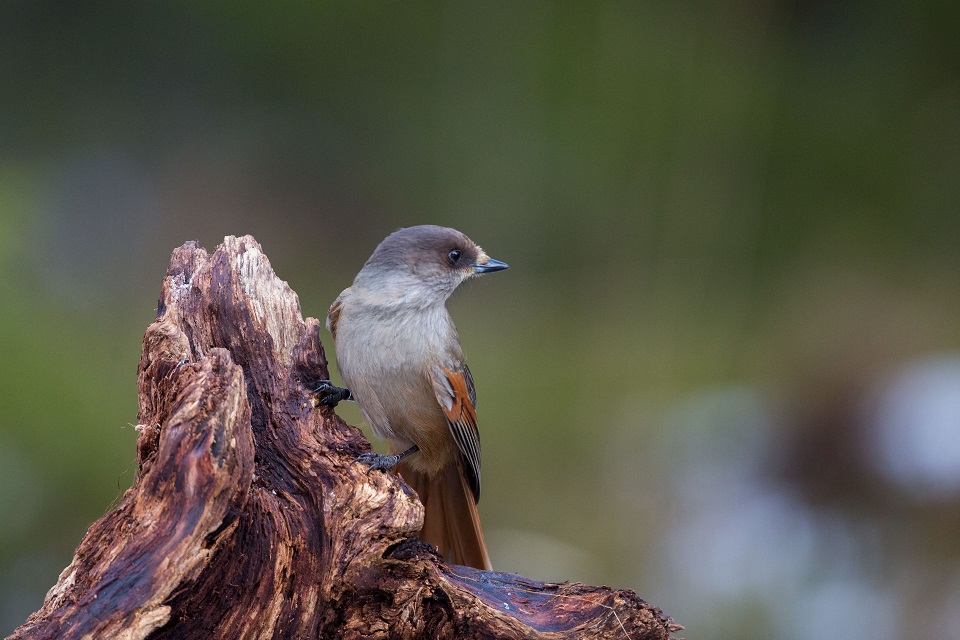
(379, 461)
(330, 395)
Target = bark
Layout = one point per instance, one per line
(248, 519)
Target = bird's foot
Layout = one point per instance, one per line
(378, 461)
(330, 395)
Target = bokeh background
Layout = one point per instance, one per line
(724, 370)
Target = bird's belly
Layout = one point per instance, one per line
(386, 366)
(401, 407)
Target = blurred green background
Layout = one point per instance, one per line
(724, 370)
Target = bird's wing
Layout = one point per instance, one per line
(333, 315)
(457, 397)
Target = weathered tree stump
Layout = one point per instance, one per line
(248, 518)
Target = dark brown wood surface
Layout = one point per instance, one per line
(248, 518)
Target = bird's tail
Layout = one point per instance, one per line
(451, 522)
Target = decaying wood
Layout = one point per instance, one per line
(248, 518)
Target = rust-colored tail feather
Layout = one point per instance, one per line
(451, 522)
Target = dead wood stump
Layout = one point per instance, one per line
(247, 518)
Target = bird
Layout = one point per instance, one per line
(399, 355)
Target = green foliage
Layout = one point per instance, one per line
(692, 196)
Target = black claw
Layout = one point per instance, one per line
(377, 461)
(330, 395)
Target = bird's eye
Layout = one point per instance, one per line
(454, 256)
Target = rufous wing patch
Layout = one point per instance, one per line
(333, 315)
(462, 418)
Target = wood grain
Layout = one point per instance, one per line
(248, 519)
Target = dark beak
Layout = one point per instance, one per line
(490, 266)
